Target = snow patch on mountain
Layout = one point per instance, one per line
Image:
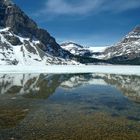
(18, 50)
(80, 50)
(128, 48)
(97, 49)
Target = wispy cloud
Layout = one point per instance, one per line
(63, 7)
(83, 7)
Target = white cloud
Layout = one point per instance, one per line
(63, 7)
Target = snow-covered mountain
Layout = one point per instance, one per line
(128, 50)
(22, 42)
(77, 49)
(18, 50)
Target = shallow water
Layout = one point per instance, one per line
(69, 107)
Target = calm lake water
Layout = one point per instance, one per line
(69, 107)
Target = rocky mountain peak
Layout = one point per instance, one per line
(127, 51)
(20, 24)
(137, 29)
(134, 35)
(66, 44)
(22, 42)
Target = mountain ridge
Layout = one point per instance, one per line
(23, 42)
(78, 49)
(17, 28)
(127, 51)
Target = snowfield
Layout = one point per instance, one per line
(26, 51)
(58, 69)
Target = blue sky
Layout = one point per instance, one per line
(88, 22)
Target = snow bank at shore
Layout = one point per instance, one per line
(57, 69)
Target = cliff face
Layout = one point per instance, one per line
(20, 24)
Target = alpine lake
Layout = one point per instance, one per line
(69, 107)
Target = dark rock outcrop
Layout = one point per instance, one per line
(13, 40)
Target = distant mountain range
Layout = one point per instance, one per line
(22, 42)
(77, 49)
(125, 52)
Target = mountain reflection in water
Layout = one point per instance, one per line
(41, 85)
(69, 106)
